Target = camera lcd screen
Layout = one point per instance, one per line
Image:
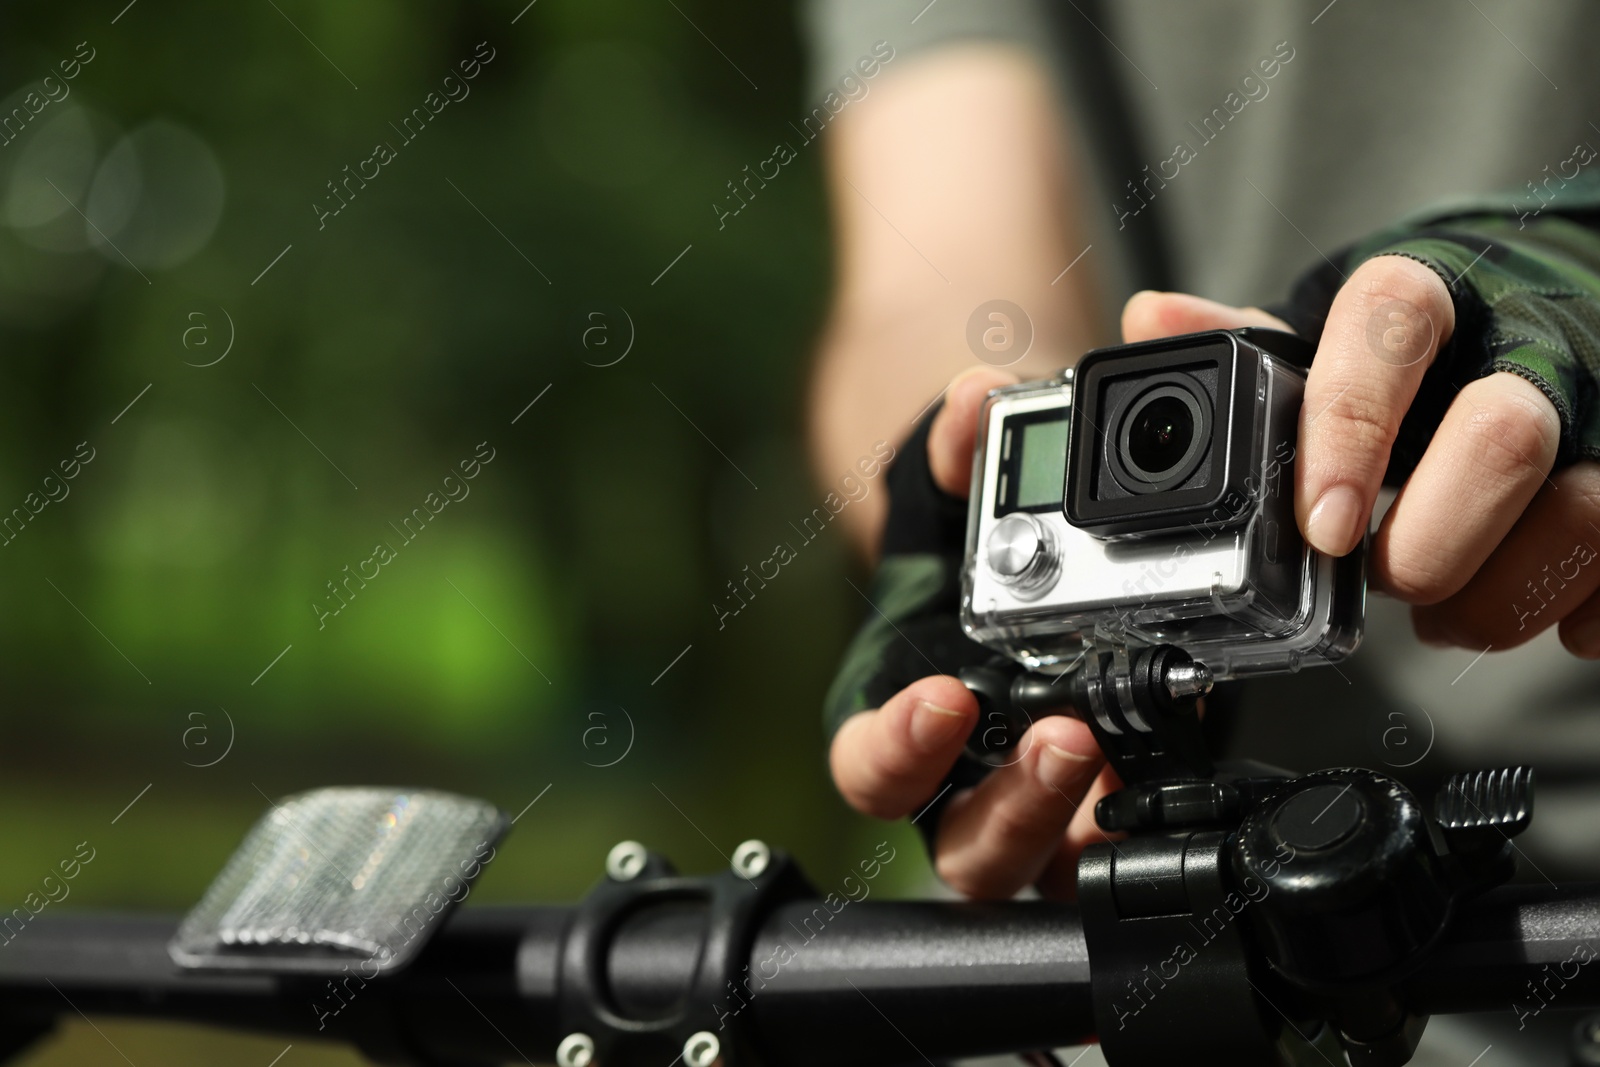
(1033, 465)
(1043, 468)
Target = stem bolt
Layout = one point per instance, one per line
(702, 1049)
(575, 1050)
(750, 859)
(624, 862)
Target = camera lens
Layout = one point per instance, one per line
(1161, 437)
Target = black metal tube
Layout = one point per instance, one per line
(466, 995)
(875, 982)
(1517, 945)
(885, 976)
(903, 982)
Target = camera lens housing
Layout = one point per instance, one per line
(1160, 435)
(1165, 436)
(1146, 497)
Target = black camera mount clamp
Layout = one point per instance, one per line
(1141, 702)
(1250, 916)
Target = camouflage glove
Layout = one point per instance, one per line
(913, 629)
(1526, 289)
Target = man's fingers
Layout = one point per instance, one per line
(1059, 880)
(1540, 574)
(1580, 631)
(1486, 461)
(955, 428)
(1383, 330)
(888, 761)
(1148, 315)
(998, 836)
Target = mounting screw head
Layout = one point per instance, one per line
(1187, 680)
(702, 1049)
(625, 860)
(751, 858)
(575, 1050)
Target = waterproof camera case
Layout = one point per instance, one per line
(1147, 498)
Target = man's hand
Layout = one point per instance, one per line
(1487, 544)
(1025, 823)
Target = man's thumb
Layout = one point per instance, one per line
(955, 428)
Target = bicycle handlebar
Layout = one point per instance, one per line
(883, 982)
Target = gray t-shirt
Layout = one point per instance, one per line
(1253, 139)
(1259, 138)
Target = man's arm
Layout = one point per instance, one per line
(951, 186)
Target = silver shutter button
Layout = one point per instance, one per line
(1022, 554)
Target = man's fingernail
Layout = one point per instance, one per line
(1334, 525)
(1584, 639)
(1059, 768)
(932, 727)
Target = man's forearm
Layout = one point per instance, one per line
(951, 188)
(872, 381)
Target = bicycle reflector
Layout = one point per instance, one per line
(341, 876)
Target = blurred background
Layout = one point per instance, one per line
(268, 374)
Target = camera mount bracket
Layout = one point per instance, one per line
(1303, 903)
(1141, 702)
(1310, 911)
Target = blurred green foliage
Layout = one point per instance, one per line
(377, 352)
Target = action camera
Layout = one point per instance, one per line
(1146, 497)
